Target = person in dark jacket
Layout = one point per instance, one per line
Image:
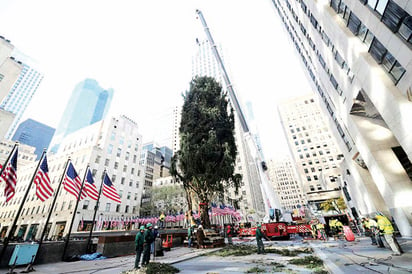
(147, 242)
(139, 246)
(200, 237)
(259, 241)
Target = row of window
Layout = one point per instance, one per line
(337, 56)
(378, 51)
(310, 70)
(393, 16)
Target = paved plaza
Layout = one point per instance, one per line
(338, 256)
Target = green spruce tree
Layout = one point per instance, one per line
(205, 162)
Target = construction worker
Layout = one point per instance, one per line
(313, 229)
(147, 242)
(259, 241)
(332, 226)
(386, 228)
(229, 233)
(321, 231)
(339, 227)
(190, 235)
(139, 240)
(162, 220)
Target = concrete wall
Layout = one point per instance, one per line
(50, 252)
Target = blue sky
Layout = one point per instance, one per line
(143, 50)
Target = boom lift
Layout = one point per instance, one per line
(272, 203)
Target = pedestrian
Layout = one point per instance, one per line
(200, 234)
(147, 242)
(386, 228)
(259, 241)
(229, 233)
(139, 240)
(190, 236)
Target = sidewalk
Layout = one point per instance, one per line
(114, 265)
(362, 257)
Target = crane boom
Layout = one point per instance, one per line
(271, 199)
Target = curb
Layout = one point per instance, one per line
(192, 256)
(331, 267)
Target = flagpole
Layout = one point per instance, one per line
(52, 206)
(8, 158)
(88, 247)
(6, 239)
(66, 241)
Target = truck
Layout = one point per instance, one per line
(276, 230)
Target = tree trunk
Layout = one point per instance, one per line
(204, 214)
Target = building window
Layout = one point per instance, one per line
(354, 24)
(117, 208)
(377, 50)
(405, 29)
(107, 207)
(389, 63)
(107, 162)
(393, 16)
(86, 204)
(110, 149)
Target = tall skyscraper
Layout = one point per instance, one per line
(314, 150)
(88, 104)
(34, 134)
(19, 96)
(250, 198)
(359, 59)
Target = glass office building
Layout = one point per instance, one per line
(88, 104)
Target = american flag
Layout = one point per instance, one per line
(9, 175)
(90, 186)
(42, 181)
(72, 182)
(109, 190)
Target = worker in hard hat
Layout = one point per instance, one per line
(259, 241)
(386, 229)
(139, 240)
(147, 242)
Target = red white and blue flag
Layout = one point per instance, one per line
(42, 181)
(72, 182)
(9, 175)
(90, 187)
(109, 190)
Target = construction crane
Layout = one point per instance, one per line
(272, 202)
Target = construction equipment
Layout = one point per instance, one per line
(276, 230)
(271, 201)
